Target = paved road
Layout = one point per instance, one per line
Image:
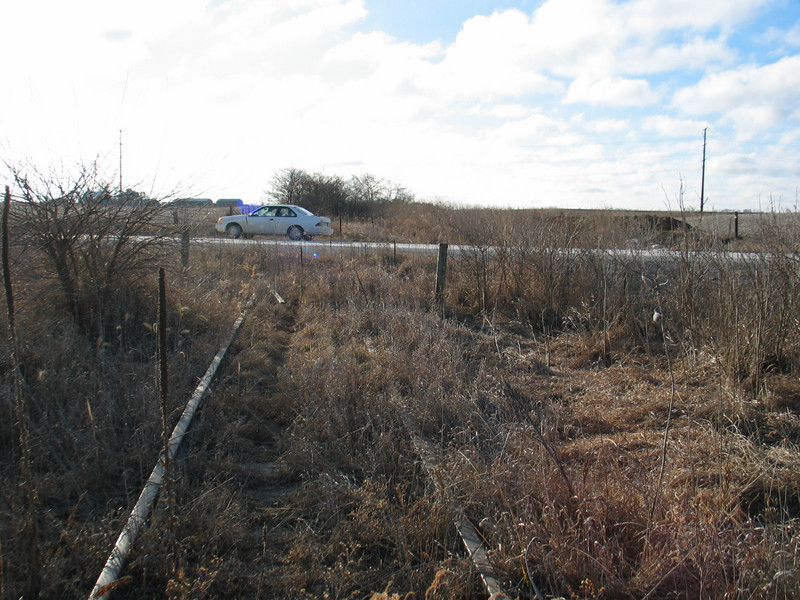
(323, 247)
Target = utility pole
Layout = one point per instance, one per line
(120, 163)
(703, 175)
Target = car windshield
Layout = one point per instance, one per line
(302, 211)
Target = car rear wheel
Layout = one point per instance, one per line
(234, 230)
(295, 233)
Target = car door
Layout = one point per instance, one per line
(262, 221)
(284, 219)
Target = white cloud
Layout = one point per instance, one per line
(693, 54)
(379, 50)
(615, 91)
(752, 99)
(651, 18)
(602, 38)
(608, 125)
(671, 127)
(536, 129)
(508, 111)
(736, 164)
(489, 59)
(782, 38)
(571, 37)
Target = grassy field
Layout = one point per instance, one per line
(429, 223)
(610, 437)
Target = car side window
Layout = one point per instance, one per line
(286, 212)
(265, 211)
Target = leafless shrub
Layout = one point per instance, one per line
(92, 408)
(741, 309)
(95, 239)
(479, 233)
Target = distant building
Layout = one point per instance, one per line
(229, 202)
(193, 202)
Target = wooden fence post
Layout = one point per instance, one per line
(302, 274)
(185, 247)
(163, 380)
(441, 274)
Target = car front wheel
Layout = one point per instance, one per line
(234, 230)
(295, 233)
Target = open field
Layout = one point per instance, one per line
(610, 437)
(428, 223)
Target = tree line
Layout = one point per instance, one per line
(360, 197)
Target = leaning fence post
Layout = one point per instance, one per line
(441, 274)
(185, 247)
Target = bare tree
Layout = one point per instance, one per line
(366, 189)
(370, 197)
(362, 196)
(289, 186)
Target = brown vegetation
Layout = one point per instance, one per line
(602, 454)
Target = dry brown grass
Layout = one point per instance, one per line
(545, 387)
(93, 412)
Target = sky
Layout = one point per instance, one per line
(504, 103)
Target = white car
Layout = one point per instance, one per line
(277, 219)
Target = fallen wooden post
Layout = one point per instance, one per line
(473, 541)
(116, 560)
